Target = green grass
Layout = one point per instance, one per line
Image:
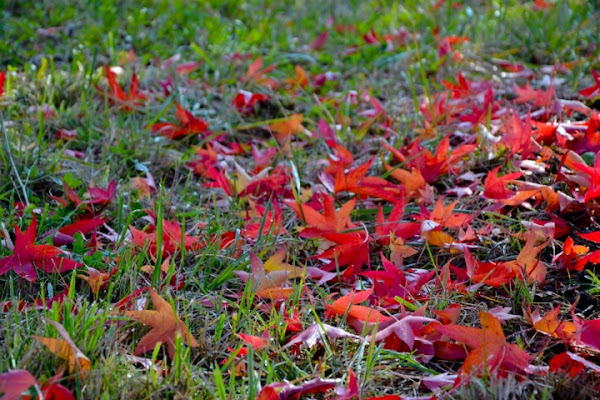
(63, 69)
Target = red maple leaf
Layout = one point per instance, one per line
(394, 226)
(245, 101)
(328, 222)
(572, 364)
(517, 136)
(116, 95)
(188, 125)
(83, 226)
(351, 249)
(172, 238)
(488, 347)
(594, 90)
(495, 187)
(355, 181)
(28, 256)
(102, 196)
(430, 165)
(540, 97)
(462, 89)
(392, 282)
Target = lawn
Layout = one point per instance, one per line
(288, 199)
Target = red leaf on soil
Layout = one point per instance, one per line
(351, 249)
(591, 236)
(267, 393)
(327, 133)
(405, 329)
(317, 385)
(28, 256)
(54, 390)
(256, 342)
(355, 181)
(572, 256)
(349, 392)
(517, 136)
(589, 332)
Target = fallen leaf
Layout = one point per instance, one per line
(28, 256)
(287, 127)
(316, 333)
(165, 324)
(488, 345)
(66, 349)
(14, 383)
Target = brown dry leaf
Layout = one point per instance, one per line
(165, 324)
(66, 349)
(271, 283)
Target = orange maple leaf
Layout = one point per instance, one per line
(287, 127)
(413, 180)
(97, 279)
(527, 263)
(66, 349)
(549, 324)
(257, 74)
(165, 324)
(300, 79)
